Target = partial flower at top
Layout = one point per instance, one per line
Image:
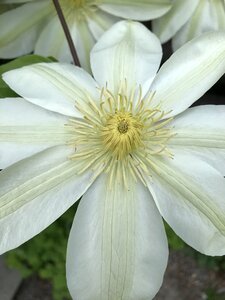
(34, 26)
(188, 19)
(128, 143)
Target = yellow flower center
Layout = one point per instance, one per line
(122, 133)
(123, 126)
(119, 134)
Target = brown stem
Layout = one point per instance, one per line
(67, 33)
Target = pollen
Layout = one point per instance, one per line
(119, 133)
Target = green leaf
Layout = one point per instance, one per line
(174, 241)
(22, 61)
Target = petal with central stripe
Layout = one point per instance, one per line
(26, 129)
(35, 192)
(52, 42)
(166, 26)
(18, 33)
(100, 21)
(208, 16)
(189, 193)
(189, 73)
(117, 246)
(202, 129)
(54, 86)
(84, 41)
(126, 51)
(141, 10)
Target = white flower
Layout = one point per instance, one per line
(34, 26)
(188, 19)
(120, 142)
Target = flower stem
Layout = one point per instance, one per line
(67, 33)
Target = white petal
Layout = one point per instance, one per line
(52, 42)
(190, 72)
(202, 129)
(126, 51)
(99, 22)
(117, 246)
(166, 26)
(209, 16)
(190, 193)
(35, 192)
(26, 129)
(53, 86)
(84, 41)
(140, 10)
(21, 33)
(219, 14)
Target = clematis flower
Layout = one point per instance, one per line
(128, 143)
(188, 19)
(34, 26)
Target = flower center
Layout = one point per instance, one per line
(122, 133)
(123, 126)
(119, 134)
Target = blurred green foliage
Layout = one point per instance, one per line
(213, 295)
(45, 255)
(217, 263)
(174, 241)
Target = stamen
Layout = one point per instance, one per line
(119, 134)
